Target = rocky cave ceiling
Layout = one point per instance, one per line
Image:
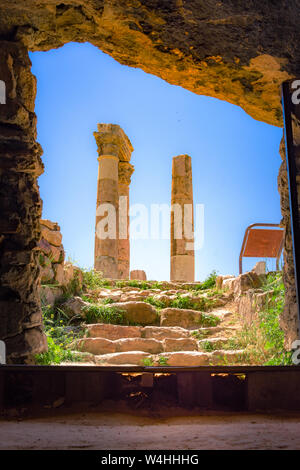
(235, 50)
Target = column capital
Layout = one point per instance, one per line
(125, 172)
(112, 140)
(103, 157)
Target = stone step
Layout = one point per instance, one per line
(221, 313)
(227, 357)
(100, 346)
(114, 332)
(140, 313)
(180, 344)
(205, 332)
(180, 358)
(162, 332)
(188, 318)
(186, 358)
(198, 358)
(214, 343)
(131, 358)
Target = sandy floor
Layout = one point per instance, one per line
(120, 431)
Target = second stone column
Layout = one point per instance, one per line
(182, 220)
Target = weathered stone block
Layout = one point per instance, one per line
(54, 238)
(140, 313)
(122, 358)
(186, 318)
(96, 346)
(162, 332)
(138, 274)
(151, 346)
(180, 344)
(113, 332)
(186, 358)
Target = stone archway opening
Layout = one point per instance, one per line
(143, 36)
(111, 139)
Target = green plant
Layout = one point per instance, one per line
(207, 346)
(208, 283)
(183, 302)
(87, 298)
(101, 314)
(93, 279)
(107, 301)
(139, 284)
(202, 303)
(46, 260)
(163, 361)
(199, 334)
(274, 282)
(155, 302)
(60, 334)
(157, 285)
(208, 319)
(147, 361)
(263, 340)
(55, 355)
(121, 284)
(74, 287)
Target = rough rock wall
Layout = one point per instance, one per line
(238, 51)
(20, 209)
(289, 318)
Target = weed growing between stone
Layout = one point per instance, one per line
(209, 282)
(101, 314)
(60, 335)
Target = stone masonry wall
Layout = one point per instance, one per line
(52, 254)
(56, 276)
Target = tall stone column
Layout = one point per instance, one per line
(125, 172)
(114, 147)
(182, 221)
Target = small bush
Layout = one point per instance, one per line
(148, 361)
(209, 282)
(207, 346)
(163, 361)
(199, 334)
(93, 279)
(209, 320)
(55, 354)
(59, 336)
(108, 301)
(101, 314)
(155, 302)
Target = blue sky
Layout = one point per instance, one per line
(235, 159)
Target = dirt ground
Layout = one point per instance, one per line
(119, 431)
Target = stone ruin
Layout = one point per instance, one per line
(56, 275)
(112, 253)
(138, 275)
(182, 243)
(191, 45)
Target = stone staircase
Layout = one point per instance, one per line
(158, 345)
